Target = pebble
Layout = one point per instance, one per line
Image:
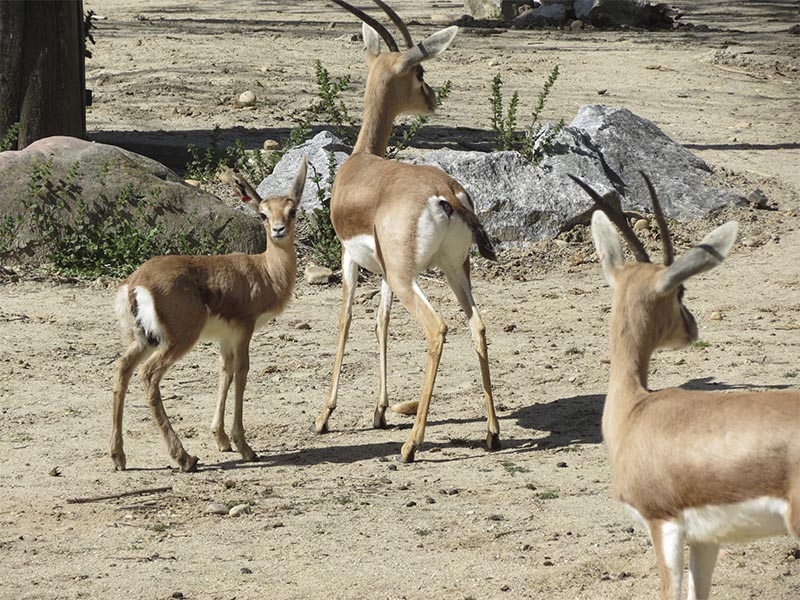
(192, 182)
(270, 145)
(245, 571)
(758, 199)
(217, 508)
(715, 316)
(247, 97)
(562, 465)
(316, 275)
(239, 509)
(576, 24)
(641, 225)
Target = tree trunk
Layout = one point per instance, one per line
(42, 69)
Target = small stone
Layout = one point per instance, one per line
(715, 316)
(641, 225)
(411, 503)
(303, 326)
(229, 483)
(576, 25)
(679, 362)
(247, 97)
(245, 571)
(332, 25)
(271, 145)
(177, 595)
(239, 509)
(192, 182)
(510, 327)
(602, 92)
(55, 472)
(430, 500)
(316, 275)
(562, 465)
(758, 199)
(217, 508)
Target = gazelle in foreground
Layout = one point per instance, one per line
(700, 468)
(398, 220)
(171, 302)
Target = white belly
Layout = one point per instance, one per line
(361, 249)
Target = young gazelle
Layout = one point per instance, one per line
(697, 468)
(170, 302)
(398, 220)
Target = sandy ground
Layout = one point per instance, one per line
(336, 516)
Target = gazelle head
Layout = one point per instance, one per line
(279, 213)
(398, 75)
(648, 298)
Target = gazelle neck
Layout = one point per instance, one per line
(281, 264)
(630, 360)
(376, 127)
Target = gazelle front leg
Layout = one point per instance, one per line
(241, 360)
(459, 282)
(225, 380)
(435, 332)
(702, 560)
(668, 538)
(381, 331)
(349, 283)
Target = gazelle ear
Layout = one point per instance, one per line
(372, 41)
(245, 191)
(709, 253)
(430, 47)
(296, 193)
(609, 248)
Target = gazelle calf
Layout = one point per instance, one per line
(398, 220)
(171, 302)
(697, 468)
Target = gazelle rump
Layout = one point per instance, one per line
(398, 220)
(171, 302)
(697, 468)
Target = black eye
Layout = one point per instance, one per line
(420, 72)
(263, 217)
(293, 213)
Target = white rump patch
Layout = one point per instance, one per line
(442, 240)
(144, 324)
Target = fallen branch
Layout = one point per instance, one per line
(140, 492)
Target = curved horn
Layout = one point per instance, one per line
(397, 21)
(666, 238)
(387, 37)
(606, 204)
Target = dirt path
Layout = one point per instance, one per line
(336, 516)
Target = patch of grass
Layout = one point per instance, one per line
(320, 236)
(10, 139)
(547, 495)
(513, 468)
(533, 140)
(701, 344)
(160, 527)
(344, 500)
(423, 532)
(790, 374)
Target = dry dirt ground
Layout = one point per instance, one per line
(336, 516)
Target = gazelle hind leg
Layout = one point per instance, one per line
(123, 371)
(668, 538)
(225, 379)
(241, 368)
(459, 282)
(381, 332)
(411, 296)
(151, 374)
(702, 559)
(349, 283)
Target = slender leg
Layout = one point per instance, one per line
(151, 374)
(702, 560)
(225, 379)
(242, 366)
(459, 281)
(435, 329)
(122, 376)
(381, 331)
(668, 538)
(349, 283)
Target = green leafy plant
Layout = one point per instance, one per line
(534, 140)
(102, 239)
(320, 236)
(9, 141)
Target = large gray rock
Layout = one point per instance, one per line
(99, 174)
(630, 144)
(518, 201)
(318, 150)
(546, 14)
(483, 9)
(630, 13)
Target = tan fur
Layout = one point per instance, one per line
(676, 449)
(385, 200)
(236, 290)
